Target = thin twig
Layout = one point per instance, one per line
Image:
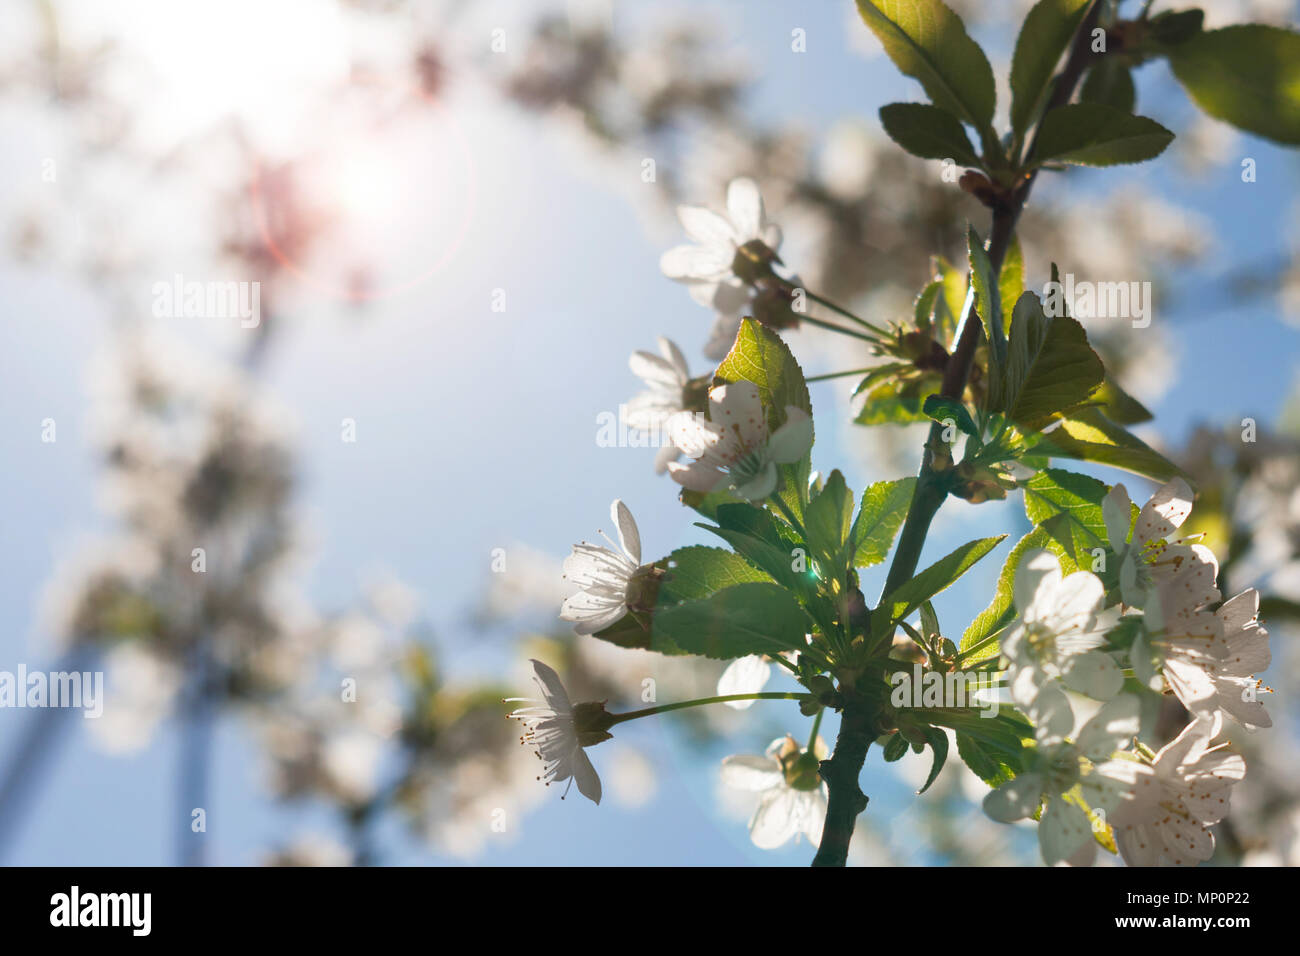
(841, 771)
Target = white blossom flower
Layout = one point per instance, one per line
(560, 730)
(1167, 820)
(792, 796)
(666, 380)
(603, 575)
(722, 336)
(744, 675)
(1209, 660)
(1149, 558)
(734, 446)
(1057, 637)
(708, 268)
(1067, 775)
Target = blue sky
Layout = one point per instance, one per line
(477, 432)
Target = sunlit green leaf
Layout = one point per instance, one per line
(929, 132)
(1248, 76)
(1091, 134)
(1046, 33)
(927, 41)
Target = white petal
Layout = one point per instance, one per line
(1106, 732)
(771, 236)
(761, 486)
(1035, 566)
(684, 263)
(1062, 830)
(1095, 674)
(1164, 513)
(814, 815)
(668, 452)
(729, 296)
(706, 226)
(722, 336)
(1069, 601)
(653, 370)
(745, 675)
(751, 772)
(740, 406)
(1053, 719)
(745, 207)
(776, 820)
(584, 775)
(696, 476)
(1117, 513)
(675, 357)
(552, 688)
(1015, 799)
(599, 622)
(792, 440)
(629, 538)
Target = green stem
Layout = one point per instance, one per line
(832, 327)
(856, 728)
(725, 698)
(839, 310)
(830, 375)
(817, 725)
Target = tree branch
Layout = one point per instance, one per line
(841, 771)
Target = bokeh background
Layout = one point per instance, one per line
(445, 206)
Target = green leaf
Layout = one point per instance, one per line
(944, 410)
(928, 132)
(759, 539)
(897, 403)
(828, 520)
(895, 747)
(997, 754)
(1046, 33)
(1088, 435)
(1090, 134)
(987, 762)
(951, 302)
(1120, 407)
(697, 571)
(707, 503)
(1000, 611)
(1248, 76)
(938, 742)
(1011, 280)
(883, 509)
(988, 302)
(928, 42)
(1073, 502)
(1110, 83)
(756, 618)
(879, 374)
(910, 595)
(929, 620)
(767, 544)
(923, 308)
(759, 356)
(1176, 26)
(1007, 732)
(1050, 366)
